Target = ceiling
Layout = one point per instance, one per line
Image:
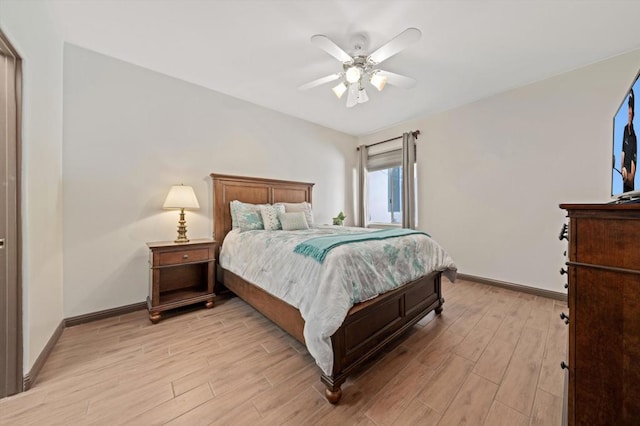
(260, 50)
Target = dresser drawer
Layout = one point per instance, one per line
(611, 242)
(183, 256)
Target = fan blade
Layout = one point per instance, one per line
(320, 81)
(395, 45)
(325, 43)
(397, 79)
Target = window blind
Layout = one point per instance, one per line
(384, 160)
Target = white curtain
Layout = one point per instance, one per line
(362, 186)
(408, 180)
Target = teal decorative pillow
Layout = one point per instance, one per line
(246, 216)
(293, 221)
(300, 207)
(250, 221)
(270, 216)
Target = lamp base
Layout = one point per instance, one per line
(182, 229)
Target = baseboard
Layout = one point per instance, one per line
(107, 313)
(517, 287)
(30, 378)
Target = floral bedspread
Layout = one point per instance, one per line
(324, 293)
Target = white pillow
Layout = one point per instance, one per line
(293, 221)
(300, 207)
(270, 216)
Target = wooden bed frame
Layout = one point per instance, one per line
(369, 325)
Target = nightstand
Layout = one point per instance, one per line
(180, 274)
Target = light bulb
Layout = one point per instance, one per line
(378, 81)
(353, 74)
(340, 89)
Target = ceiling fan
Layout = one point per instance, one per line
(359, 67)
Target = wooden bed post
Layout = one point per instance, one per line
(333, 395)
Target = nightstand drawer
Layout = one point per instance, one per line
(183, 256)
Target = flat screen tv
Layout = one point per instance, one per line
(625, 183)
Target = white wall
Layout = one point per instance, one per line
(28, 27)
(130, 133)
(492, 173)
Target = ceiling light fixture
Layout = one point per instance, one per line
(358, 65)
(340, 89)
(353, 74)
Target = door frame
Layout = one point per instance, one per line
(11, 374)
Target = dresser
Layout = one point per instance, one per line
(180, 274)
(603, 268)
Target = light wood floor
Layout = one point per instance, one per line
(491, 358)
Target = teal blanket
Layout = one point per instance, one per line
(319, 247)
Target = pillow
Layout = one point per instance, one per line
(246, 216)
(293, 221)
(234, 219)
(270, 216)
(300, 207)
(250, 221)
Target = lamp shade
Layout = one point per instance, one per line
(362, 96)
(352, 96)
(340, 89)
(181, 197)
(378, 81)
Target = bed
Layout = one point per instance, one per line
(367, 327)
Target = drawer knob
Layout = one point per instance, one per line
(564, 365)
(563, 271)
(185, 256)
(564, 317)
(563, 233)
(566, 285)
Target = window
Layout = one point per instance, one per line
(384, 196)
(387, 183)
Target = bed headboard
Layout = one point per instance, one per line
(251, 190)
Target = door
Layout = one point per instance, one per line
(10, 286)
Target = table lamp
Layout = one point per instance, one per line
(181, 197)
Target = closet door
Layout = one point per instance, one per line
(10, 295)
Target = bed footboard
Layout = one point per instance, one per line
(370, 325)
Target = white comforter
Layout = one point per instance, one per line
(325, 292)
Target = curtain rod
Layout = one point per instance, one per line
(415, 135)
